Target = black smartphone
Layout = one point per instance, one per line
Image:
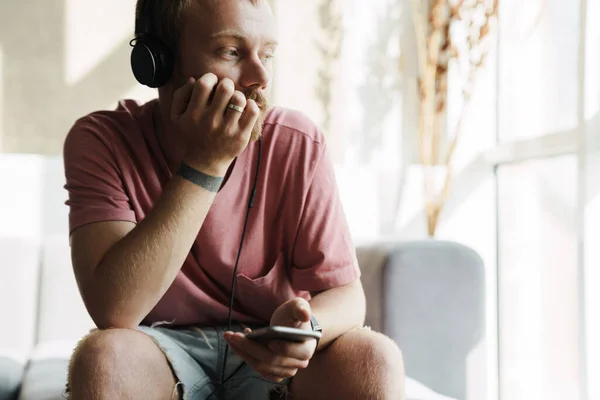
(283, 333)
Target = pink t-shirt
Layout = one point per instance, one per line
(297, 239)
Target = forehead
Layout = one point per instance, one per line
(207, 18)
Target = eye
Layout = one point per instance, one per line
(267, 57)
(229, 52)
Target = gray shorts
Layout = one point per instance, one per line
(196, 357)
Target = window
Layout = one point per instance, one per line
(538, 279)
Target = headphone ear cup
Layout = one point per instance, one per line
(151, 62)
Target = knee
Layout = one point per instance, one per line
(384, 365)
(104, 353)
(381, 350)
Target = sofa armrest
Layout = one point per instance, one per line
(434, 307)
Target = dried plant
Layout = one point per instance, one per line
(330, 48)
(450, 33)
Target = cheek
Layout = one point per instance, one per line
(222, 71)
(198, 67)
(178, 79)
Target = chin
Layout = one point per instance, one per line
(258, 127)
(256, 134)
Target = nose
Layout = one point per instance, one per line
(255, 74)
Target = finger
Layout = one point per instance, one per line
(301, 310)
(299, 351)
(202, 89)
(223, 94)
(247, 331)
(232, 116)
(272, 372)
(248, 120)
(181, 98)
(263, 353)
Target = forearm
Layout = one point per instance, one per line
(139, 269)
(339, 310)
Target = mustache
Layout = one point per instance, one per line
(259, 98)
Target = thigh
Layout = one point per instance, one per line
(360, 364)
(179, 347)
(196, 356)
(242, 382)
(249, 385)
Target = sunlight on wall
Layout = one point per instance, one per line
(538, 68)
(479, 131)
(1, 97)
(411, 220)
(592, 58)
(20, 206)
(371, 131)
(295, 69)
(93, 30)
(360, 206)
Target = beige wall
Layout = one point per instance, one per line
(59, 60)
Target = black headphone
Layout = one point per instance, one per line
(224, 380)
(151, 59)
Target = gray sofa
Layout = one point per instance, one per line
(426, 295)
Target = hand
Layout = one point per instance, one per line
(216, 134)
(277, 360)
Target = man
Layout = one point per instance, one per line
(158, 196)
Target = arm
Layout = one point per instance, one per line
(137, 264)
(339, 310)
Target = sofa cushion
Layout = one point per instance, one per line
(415, 390)
(45, 380)
(11, 373)
(19, 280)
(46, 373)
(372, 257)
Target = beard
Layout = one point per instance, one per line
(263, 107)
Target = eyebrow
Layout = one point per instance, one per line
(234, 33)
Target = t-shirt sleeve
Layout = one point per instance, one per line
(324, 256)
(94, 183)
